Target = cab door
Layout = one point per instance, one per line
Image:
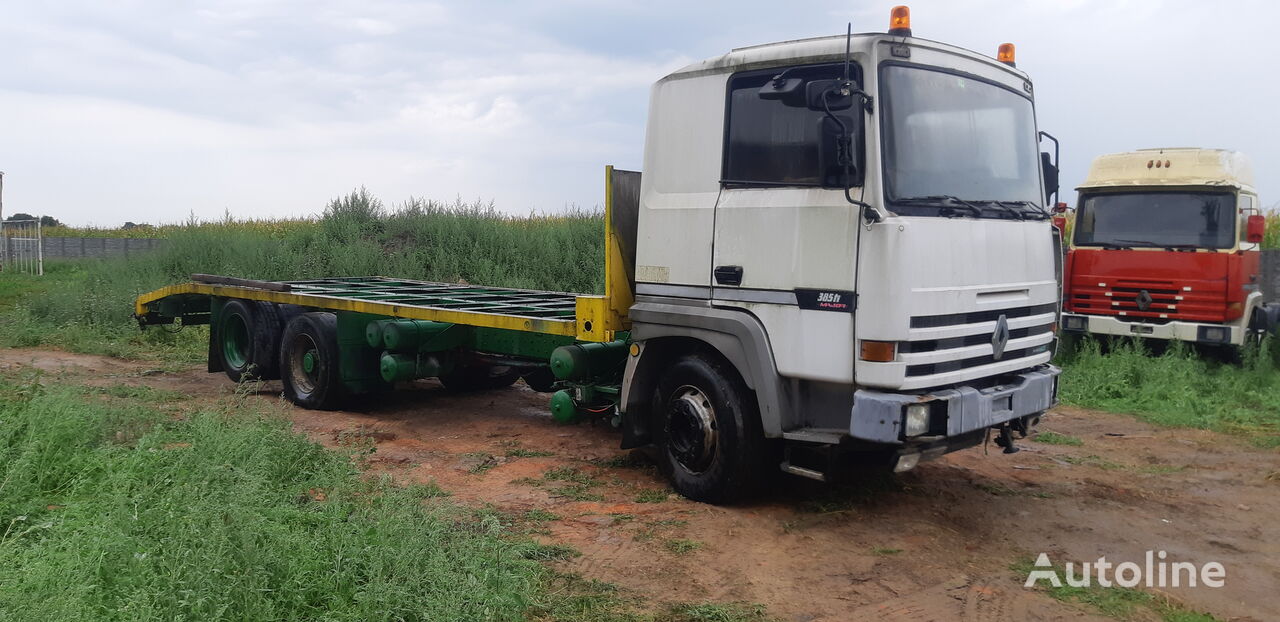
(785, 238)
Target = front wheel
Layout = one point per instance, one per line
(710, 440)
(309, 368)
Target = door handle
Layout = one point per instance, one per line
(728, 275)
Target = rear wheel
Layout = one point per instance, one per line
(309, 361)
(710, 440)
(248, 338)
(540, 379)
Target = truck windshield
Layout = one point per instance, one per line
(956, 141)
(1157, 219)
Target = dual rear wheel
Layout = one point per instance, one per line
(263, 341)
(247, 338)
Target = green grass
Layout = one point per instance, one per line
(566, 482)
(86, 305)
(1271, 238)
(1116, 602)
(652, 495)
(110, 510)
(539, 515)
(137, 392)
(682, 546)
(113, 512)
(1053, 438)
(1178, 388)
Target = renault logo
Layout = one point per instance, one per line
(1144, 300)
(1000, 338)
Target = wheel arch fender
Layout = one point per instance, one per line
(664, 331)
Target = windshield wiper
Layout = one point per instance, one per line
(975, 206)
(1170, 247)
(945, 201)
(1005, 207)
(1029, 206)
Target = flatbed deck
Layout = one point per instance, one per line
(553, 313)
(583, 317)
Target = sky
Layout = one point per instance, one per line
(158, 111)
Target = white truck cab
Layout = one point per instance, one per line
(870, 256)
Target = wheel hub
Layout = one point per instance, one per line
(235, 341)
(691, 429)
(303, 358)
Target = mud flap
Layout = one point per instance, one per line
(214, 360)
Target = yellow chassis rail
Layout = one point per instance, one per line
(568, 328)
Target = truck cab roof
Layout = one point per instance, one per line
(1176, 166)
(817, 50)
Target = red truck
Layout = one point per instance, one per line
(1166, 245)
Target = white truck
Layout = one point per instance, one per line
(839, 250)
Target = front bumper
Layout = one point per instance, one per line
(878, 416)
(1189, 332)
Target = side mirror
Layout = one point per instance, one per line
(1050, 174)
(1061, 208)
(818, 90)
(1255, 229)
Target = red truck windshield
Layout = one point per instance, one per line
(1156, 219)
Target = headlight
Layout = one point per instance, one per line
(917, 419)
(1075, 322)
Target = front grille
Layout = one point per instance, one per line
(976, 317)
(932, 345)
(963, 351)
(1162, 302)
(928, 369)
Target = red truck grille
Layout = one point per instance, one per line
(1152, 301)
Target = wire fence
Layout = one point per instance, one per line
(21, 247)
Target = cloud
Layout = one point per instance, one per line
(145, 110)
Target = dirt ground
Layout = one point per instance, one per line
(933, 544)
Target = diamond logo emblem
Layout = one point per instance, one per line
(1144, 300)
(1000, 338)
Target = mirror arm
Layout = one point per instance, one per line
(868, 102)
(845, 149)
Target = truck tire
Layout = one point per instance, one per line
(467, 378)
(246, 341)
(309, 362)
(709, 438)
(540, 379)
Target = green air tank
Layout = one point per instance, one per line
(400, 367)
(586, 361)
(409, 335)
